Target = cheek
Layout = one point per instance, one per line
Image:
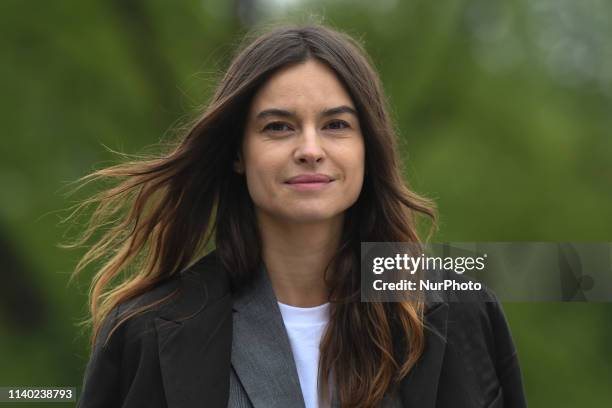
(359, 171)
(355, 168)
(356, 182)
(351, 162)
(262, 177)
(254, 169)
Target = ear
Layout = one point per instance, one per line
(238, 164)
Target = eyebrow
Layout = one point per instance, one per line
(326, 112)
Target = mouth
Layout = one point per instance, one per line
(309, 182)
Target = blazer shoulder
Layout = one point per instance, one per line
(179, 297)
(473, 317)
(124, 362)
(476, 310)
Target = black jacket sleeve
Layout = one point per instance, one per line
(506, 357)
(101, 383)
(480, 366)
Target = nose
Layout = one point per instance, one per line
(309, 149)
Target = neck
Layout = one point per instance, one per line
(296, 256)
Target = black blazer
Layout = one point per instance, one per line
(177, 354)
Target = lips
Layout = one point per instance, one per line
(310, 178)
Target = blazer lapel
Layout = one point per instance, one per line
(261, 351)
(194, 340)
(420, 387)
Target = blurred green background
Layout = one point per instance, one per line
(504, 110)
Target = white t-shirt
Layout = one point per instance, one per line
(305, 327)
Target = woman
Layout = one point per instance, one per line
(291, 166)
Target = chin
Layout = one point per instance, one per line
(303, 216)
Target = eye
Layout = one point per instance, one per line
(277, 127)
(337, 125)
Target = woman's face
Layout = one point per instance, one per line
(303, 151)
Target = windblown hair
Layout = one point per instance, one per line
(163, 210)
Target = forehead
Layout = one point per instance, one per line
(304, 86)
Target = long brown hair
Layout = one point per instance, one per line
(164, 210)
